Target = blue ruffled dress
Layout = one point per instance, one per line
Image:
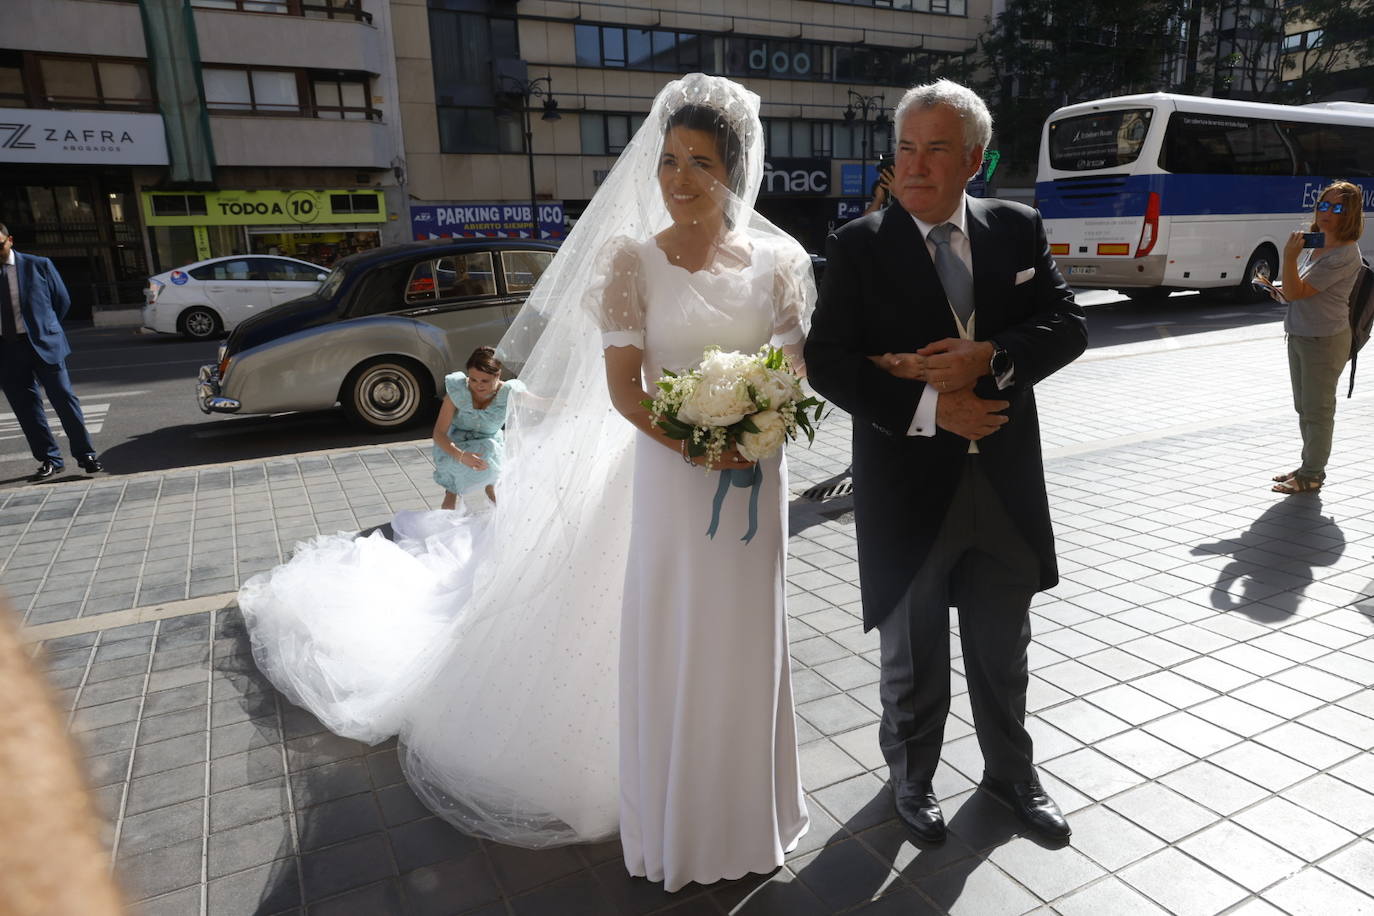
(473, 430)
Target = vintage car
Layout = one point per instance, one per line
(379, 335)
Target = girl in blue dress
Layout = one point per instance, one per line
(467, 435)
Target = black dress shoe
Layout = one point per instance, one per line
(918, 809)
(1032, 806)
(47, 469)
(90, 465)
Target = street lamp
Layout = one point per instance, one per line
(542, 88)
(868, 106)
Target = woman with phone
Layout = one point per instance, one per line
(1319, 270)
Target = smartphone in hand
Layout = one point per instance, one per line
(1314, 240)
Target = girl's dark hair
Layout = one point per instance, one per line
(729, 146)
(484, 359)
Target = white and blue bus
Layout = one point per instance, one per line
(1150, 193)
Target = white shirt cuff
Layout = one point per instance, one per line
(923, 424)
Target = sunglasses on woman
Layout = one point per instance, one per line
(1325, 205)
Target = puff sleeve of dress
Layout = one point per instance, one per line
(620, 307)
(794, 293)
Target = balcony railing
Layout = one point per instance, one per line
(310, 9)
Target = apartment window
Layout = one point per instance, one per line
(315, 9)
(256, 91)
(353, 203)
(178, 204)
(12, 94)
(91, 82)
(343, 97)
(607, 134)
(793, 137)
(478, 130)
(665, 51)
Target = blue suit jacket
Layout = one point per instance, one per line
(44, 302)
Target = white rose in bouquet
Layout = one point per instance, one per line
(718, 402)
(777, 387)
(772, 430)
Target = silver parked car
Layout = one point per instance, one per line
(379, 335)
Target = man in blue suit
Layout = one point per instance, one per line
(33, 350)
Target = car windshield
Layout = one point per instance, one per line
(331, 284)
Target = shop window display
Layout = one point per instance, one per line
(322, 248)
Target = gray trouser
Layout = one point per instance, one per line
(984, 567)
(1314, 365)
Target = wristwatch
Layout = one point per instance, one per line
(1000, 364)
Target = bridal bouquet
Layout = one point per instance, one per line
(751, 401)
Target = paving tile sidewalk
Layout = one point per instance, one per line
(1199, 692)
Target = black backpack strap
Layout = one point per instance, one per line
(1354, 358)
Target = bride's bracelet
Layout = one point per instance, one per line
(686, 456)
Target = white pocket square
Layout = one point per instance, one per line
(1023, 275)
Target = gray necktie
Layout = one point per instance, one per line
(954, 275)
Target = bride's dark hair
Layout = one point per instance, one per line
(729, 146)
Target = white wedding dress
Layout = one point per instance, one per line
(709, 779)
(584, 660)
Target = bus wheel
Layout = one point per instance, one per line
(1264, 262)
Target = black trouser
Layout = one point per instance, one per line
(21, 371)
(981, 565)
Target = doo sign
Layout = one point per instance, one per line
(796, 177)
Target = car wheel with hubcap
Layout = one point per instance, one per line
(386, 393)
(199, 323)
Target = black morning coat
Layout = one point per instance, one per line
(881, 294)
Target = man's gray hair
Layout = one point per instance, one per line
(973, 113)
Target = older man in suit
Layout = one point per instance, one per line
(950, 497)
(33, 351)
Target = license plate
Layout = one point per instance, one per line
(1082, 271)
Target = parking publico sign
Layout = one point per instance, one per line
(484, 221)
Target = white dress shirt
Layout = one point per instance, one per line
(923, 423)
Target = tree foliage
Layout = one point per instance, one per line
(1041, 54)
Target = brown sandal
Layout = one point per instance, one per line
(1296, 484)
(1284, 478)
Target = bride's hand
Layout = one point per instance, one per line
(729, 460)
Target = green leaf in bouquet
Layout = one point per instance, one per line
(675, 428)
(744, 426)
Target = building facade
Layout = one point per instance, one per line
(472, 73)
(292, 101)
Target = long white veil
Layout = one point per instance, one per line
(503, 689)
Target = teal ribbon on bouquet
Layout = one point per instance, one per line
(738, 477)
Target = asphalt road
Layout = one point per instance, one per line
(138, 392)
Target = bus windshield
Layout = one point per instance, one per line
(1099, 140)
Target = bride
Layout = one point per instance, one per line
(584, 659)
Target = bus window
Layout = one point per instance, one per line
(1334, 150)
(1224, 145)
(1098, 141)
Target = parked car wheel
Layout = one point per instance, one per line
(386, 393)
(199, 323)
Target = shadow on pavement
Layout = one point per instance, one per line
(1126, 321)
(850, 871)
(246, 438)
(1275, 559)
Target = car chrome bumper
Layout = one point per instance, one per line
(208, 396)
